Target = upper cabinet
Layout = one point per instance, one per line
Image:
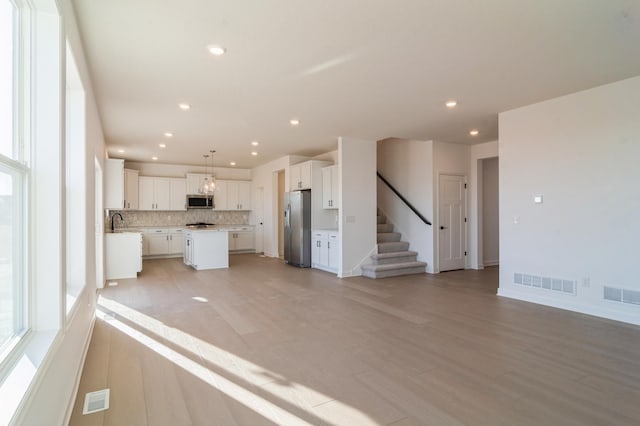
(232, 195)
(194, 182)
(238, 195)
(114, 184)
(330, 187)
(300, 176)
(178, 190)
(157, 193)
(130, 189)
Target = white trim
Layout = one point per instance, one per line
(76, 386)
(490, 263)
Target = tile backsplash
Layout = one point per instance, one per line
(178, 218)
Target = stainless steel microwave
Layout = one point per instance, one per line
(199, 201)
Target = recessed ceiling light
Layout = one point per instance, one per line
(162, 145)
(254, 153)
(451, 104)
(294, 122)
(121, 151)
(233, 163)
(216, 50)
(255, 143)
(168, 134)
(184, 106)
(474, 132)
(154, 158)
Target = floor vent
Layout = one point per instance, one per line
(546, 283)
(622, 295)
(96, 401)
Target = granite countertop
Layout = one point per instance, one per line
(221, 227)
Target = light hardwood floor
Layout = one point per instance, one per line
(266, 343)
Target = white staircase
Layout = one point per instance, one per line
(393, 258)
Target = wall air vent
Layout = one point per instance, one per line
(622, 295)
(546, 283)
(96, 401)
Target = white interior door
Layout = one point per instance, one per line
(451, 231)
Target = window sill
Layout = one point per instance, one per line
(23, 372)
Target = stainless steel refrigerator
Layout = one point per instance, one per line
(297, 228)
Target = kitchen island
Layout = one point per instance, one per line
(206, 248)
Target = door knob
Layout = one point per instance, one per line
(443, 227)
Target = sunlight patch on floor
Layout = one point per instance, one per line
(250, 400)
(277, 385)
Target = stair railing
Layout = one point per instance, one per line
(404, 200)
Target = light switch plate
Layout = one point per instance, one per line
(537, 199)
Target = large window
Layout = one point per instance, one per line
(13, 178)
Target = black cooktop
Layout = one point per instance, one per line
(199, 225)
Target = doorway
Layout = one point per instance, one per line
(259, 220)
(281, 190)
(451, 222)
(490, 240)
(99, 225)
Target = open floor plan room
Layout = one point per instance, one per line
(266, 343)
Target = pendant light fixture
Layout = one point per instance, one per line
(209, 183)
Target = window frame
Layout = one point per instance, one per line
(18, 168)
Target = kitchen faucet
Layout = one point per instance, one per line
(113, 220)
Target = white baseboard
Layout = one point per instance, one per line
(491, 263)
(574, 306)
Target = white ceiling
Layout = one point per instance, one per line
(368, 69)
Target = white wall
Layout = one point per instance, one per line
(451, 159)
(180, 170)
(408, 166)
(580, 152)
(52, 394)
(490, 207)
(477, 153)
(357, 216)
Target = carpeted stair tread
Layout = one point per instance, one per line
(393, 246)
(388, 237)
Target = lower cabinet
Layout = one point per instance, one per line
(123, 255)
(163, 242)
(325, 250)
(241, 240)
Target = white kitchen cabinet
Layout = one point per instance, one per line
(238, 195)
(156, 193)
(114, 184)
(158, 241)
(330, 187)
(176, 241)
(232, 195)
(206, 249)
(333, 247)
(220, 199)
(178, 191)
(325, 250)
(300, 176)
(130, 189)
(194, 182)
(163, 241)
(241, 238)
(123, 255)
